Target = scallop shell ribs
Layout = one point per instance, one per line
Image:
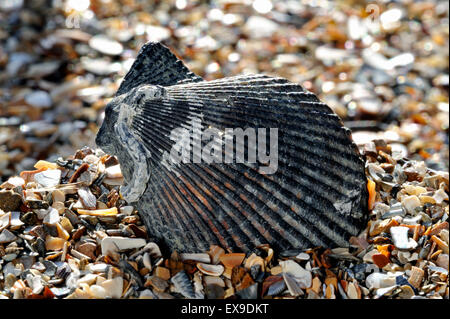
(236, 162)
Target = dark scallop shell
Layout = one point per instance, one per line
(316, 197)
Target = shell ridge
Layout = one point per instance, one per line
(146, 71)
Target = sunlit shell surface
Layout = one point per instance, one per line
(313, 194)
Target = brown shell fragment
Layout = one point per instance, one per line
(232, 260)
(416, 276)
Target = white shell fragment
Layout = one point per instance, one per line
(6, 236)
(380, 280)
(302, 276)
(113, 172)
(212, 270)
(400, 238)
(52, 217)
(113, 287)
(5, 221)
(410, 203)
(48, 178)
(203, 258)
(440, 196)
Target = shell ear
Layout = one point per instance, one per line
(157, 65)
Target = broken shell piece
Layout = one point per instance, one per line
(400, 238)
(183, 284)
(410, 203)
(276, 288)
(440, 243)
(406, 293)
(380, 280)
(254, 259)
(232, 260)
(54, 243)
(212, 270)
(127, 210)
(98, 212)
(302, 276)
(385, 291)
(303, 256)
(113, 287)
(215, 252)
(13, 182)
(10, 201)
(113, 172)
(416, 276)
(28, 176)
(214, 280)
(203, 258)
(440, 196)
(45, 165)
(4, 221)
(48, 178)
(52, 217)
(88, 199)
(6, 236)
(292, 285)
(162, 272)
(442, 261)
(98, 292)
(372, 193)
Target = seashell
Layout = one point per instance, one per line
(253, 260)
(313, 194)
(215, 252)
(54, 243)
(5, 221)
(6, 236)
(157, 283)
(302, 276)
(232, 260)
(379, 280)
(48, 178)
(13, 182)
(410, 203)
(212, 270)
(183, 284)
(87, 198)
(52, 217)
(204, 258)
(292, 285)
(276, 288)
(113, 287)
(98, 212)
(400, 238)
